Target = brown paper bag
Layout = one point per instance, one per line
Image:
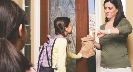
(87, 49)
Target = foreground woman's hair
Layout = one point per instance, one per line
(11, 16)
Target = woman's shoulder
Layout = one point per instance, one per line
(124, 20)
(102, 26)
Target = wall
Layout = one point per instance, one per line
(32, 32)
(102, 12)
(129, 15)
(19, 2)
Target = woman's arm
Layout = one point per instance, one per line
(123, 28)
(102, 33)
(97, 45)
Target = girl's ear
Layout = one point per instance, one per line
(20, 30)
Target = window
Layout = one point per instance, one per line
(92, 60)
(27, 48)
(92, 17)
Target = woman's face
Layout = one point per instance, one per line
(110, 10)
(19, 40)
(25, 36)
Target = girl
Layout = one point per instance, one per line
(62, 27)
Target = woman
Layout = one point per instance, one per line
(113, 38)
(13, 36)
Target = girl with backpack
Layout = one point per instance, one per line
(63, 27)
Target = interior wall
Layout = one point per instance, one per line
(129, 15)
(102, 12)
(32, 32)
(19, 2)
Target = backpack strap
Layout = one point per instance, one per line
(42, 48)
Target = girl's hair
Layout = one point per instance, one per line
(60, 23)
(11, 16)
(120, 13)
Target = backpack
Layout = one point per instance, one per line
(45, 56)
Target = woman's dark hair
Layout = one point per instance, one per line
(60, 23)
(120, 13)
(11, 16)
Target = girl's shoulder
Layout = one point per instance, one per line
(60, 41)
(63, 39)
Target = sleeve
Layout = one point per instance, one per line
(72, 55)
(125, 27)
(62, 56)
(100, 47)
(102, 26)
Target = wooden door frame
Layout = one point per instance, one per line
(82, 25)
(44, 21)
(82, 30)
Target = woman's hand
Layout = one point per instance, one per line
(90, 38)
(97, 45)
(101, 33)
